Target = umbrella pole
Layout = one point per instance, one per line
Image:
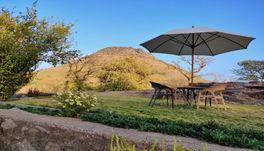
(192, 67)
(193, 46)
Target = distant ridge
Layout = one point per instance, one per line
(52, 79)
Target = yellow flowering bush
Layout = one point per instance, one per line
(74, 103)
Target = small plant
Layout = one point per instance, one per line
(74, 103)
(120, 144)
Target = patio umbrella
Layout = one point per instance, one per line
(197, 41)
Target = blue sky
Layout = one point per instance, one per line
(104, 23)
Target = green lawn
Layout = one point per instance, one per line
(247, 116)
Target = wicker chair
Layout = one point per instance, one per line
(213, 92)
(161, 90)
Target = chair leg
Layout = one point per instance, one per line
(167, 97)
(173, 97)
(152, 97)
(205, 102)
(216, 102)
(206, 99)
(223, 100)
(198, 100)
(154, 100)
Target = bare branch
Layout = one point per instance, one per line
(80, 69)
(200, 62)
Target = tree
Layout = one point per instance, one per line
(250, 70)
(125, 74)
(80, 69)
(200, 62)
(25, 41)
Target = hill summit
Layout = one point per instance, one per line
(53, 79)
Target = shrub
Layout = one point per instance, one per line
(6, 106)
(41, 110)
(33, 92)
(125, 74)
(74, 103)
(77, 86)
(25, 41)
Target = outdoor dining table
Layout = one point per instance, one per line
(190, 92)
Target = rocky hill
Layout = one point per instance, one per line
(53, 79)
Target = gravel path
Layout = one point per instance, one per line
(99, 129)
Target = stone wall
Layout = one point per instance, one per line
(23, 131)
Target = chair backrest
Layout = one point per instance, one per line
(156, 85)
(217, 87)
(200, 84)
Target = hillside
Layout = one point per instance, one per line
(53, 79)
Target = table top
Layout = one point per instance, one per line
(191, 87)
(255, 87)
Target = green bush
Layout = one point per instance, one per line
(6, 106)
(42, 111)
(210, 131)
(125, 74)
(31, 109)
(74, 103)
(25, 41)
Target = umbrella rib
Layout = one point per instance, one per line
(163, 43)
(202, 42)
(184, 44)
(174, 39)
(197, 38)
(207, 46)
(231, 41)
(186, 39)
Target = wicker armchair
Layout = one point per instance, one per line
(213, 92)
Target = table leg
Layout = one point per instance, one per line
(172, 99)
(206, 99)
(184, 93)
(192, 97)
(188, 95)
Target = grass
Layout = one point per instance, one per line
(45, 101)
(241, 116)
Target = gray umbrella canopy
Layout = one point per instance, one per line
(197, 41)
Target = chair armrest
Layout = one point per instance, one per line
(207, 91)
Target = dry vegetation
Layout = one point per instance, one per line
(53, 79)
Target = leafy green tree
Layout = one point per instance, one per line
(125, 74)
(250, 70)
(25, 41)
